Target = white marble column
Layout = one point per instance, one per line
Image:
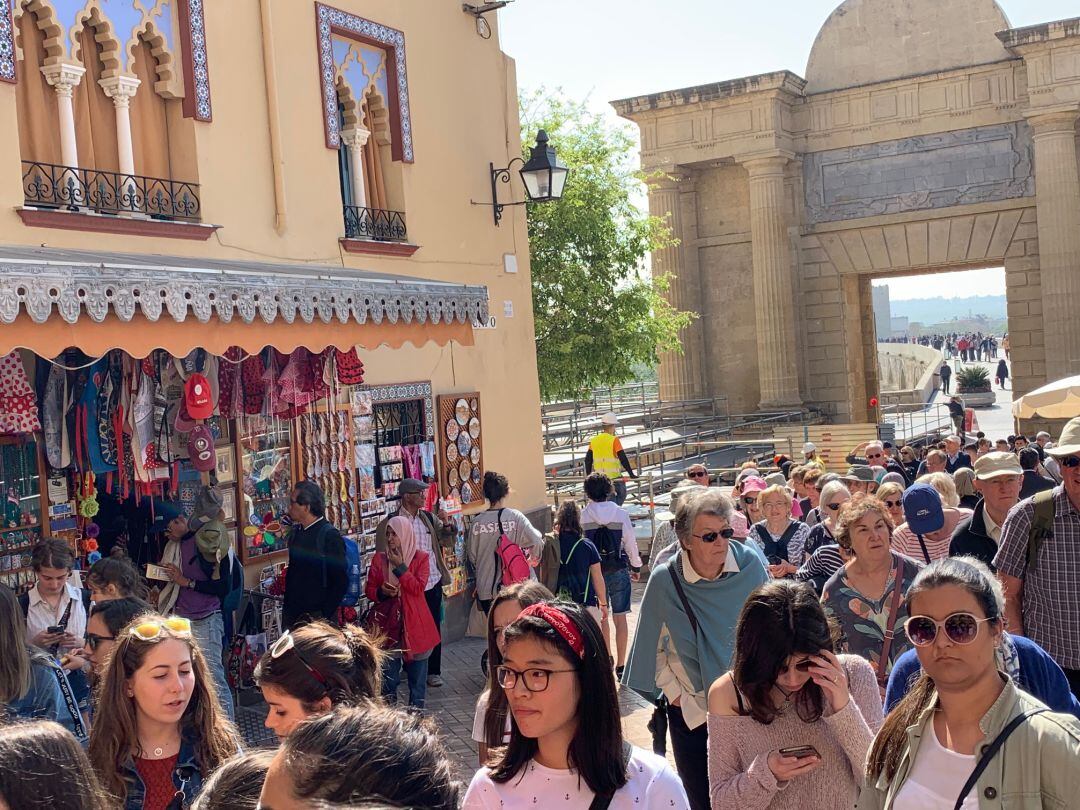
(64, 78)
(774, 305)
(356, 139)
(1057, 196)
(122, 89)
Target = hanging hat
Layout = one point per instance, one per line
(208, 505)
(200, 447)
(198, 397)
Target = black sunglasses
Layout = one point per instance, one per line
(711, 537)
(893, 504)
(93, 640)
(1069, 462)
(698, 474)
(833, 506)
(750, 499)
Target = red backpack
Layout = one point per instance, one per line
(515, 568)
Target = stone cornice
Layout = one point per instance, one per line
(1038, 34)
(783, 81)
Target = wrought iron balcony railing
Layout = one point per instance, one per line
(375, 224)
(50, 186)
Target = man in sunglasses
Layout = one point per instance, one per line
(875, 454)
(1037, 561)
(997, 479)
(698, 474)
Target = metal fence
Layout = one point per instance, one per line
(374, 224)
(47, 185)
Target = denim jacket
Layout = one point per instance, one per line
(50, 697)
(187, 777)
(1036, 769)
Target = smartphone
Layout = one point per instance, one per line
(56, 630)
(800, 752)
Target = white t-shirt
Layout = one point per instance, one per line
(652, 784)
(478, 721)
(936, 778)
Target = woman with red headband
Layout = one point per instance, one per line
(566, 736)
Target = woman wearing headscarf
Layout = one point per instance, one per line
(401, 573)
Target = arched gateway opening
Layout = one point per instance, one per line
(927, 136)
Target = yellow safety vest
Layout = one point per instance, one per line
(603, 456)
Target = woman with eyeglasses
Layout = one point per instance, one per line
(749, 498)
(866, 596)
(964, 732)
(566, 742)
(910, 461)
(160, 731)
(401, 572)
(892, 495)
(315, 667)
(686, 630)
(790, 724)
(491, 724)
(779, 535)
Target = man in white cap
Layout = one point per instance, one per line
(810, 456)
(606, 455)
(998, 477)
(1037, 562)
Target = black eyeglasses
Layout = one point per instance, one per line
(535, 680)
(750, 500)
(961, 628)
(711, 537)
(697, 474)
(875, 455)
(1069, 462)
(93, 640)
(832, 507)
(893, 504)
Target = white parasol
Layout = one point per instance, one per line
(1057, 400)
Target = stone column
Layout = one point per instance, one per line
(774, 307)
(64, 78)
(680, 374)
(1057, 195)
(122, 89)
(356, 139)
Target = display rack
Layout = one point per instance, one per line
(461, 448)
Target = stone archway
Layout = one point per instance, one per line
(928, 135)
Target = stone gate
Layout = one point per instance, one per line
(928, 135)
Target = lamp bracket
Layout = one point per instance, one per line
(501, 176)
(483, 8)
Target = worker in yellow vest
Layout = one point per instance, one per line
(606, 455)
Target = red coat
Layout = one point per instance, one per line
(421, 632)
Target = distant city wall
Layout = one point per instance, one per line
(908, 373)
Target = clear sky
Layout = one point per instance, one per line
(610, 49)
(946, 285)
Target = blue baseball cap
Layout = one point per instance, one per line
(922, 509)
(165, 512)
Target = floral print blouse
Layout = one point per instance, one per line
(862, 621)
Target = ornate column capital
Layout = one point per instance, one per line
(121, 89)
(356, 137)
(763, 164)
(1055, 121)
(64, 77)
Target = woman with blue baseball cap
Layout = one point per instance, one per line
(929, 526)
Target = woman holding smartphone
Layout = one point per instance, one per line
(790, 724)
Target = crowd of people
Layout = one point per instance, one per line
(967, 347)
(903, 635)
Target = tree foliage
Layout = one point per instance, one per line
(599, 315)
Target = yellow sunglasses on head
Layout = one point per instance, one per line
(151, 629)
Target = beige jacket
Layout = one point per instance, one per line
(1038, 768)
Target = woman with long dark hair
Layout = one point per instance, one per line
(42, 765)
(566, 737)
(787, 690)
(315, 667)
(491, 727)
(964, 732)
(163, 731)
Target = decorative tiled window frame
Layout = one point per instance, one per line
(330, 21)
(7, 41)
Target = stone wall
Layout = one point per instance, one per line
(908, 373)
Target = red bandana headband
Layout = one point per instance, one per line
(561, 624)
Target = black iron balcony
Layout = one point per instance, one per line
(375, 224)
(49, 186)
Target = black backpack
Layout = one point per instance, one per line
(610, 548)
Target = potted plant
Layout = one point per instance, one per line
(973, 384)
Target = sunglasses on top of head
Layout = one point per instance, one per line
(712, 537)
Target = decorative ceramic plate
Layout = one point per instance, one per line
(452, 454)
(466, 493)
(464, 468)
(453, 478)
(474, 456)
(452, 429)
(476, 475)
(474, 428)
(461, 412)
(464, 443)
(474, 405)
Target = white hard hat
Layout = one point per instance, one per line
(809, 448)
(609, 418)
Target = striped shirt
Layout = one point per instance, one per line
(1052, 586)
(826, 561)
(906, 542)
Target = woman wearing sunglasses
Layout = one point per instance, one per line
(790, 724)
(103, 627)
(965, 732)
(163, 731)
(315, 667)
(892, 495)
(401, 572)
(686, 630)
(566, 743)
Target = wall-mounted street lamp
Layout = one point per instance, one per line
(543, 176)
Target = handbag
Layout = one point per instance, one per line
(386, 619)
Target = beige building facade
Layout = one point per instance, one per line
(926, 136)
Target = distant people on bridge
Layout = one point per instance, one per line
(946, 375)
(606, 455)
(1002, 373)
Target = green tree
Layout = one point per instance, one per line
(599, 315)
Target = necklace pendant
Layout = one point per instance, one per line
(158, 752)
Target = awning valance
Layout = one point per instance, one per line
(52, 299)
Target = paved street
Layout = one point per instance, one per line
(996, 421)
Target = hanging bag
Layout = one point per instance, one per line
(386, 618)
(515, 568)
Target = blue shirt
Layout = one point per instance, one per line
(576, 556)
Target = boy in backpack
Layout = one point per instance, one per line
(581, 579)
(609, 528)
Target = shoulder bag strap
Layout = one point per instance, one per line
(682, 597)
(990, 751)
(67, 614)
(502, 531)
(925, 551)
(890, 632)
(601, 801)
